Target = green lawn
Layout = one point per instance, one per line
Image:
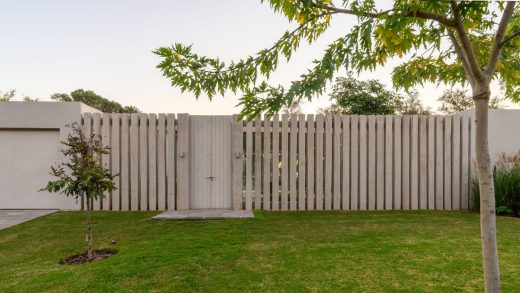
(291, 252)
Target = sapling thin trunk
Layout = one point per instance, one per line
(90, 254)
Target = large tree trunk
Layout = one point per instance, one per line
(481, 94)
(90, 254)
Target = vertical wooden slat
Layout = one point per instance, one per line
(285, 162)
(345, 159)
(389, 162)
(258, 163)
(170, 161)
(125, 162)
(414, 163)
(293, 148)
(319, 162)
(439, 163)
(380, 162)
(96, 130)
(456, 156)
(363, 162)
(115, 153)
(183, 162)
(431, 162)
(397, 204)
(237, 165)
(464, 158)
(105, 158)
(328, 162)
(405, 200)
(372, 144)
(134, 162)
(152, 162)
(310, 162)
(336, 163)
(249, 166)
(143, 161)
(267, 164)
(423, 163)
(301, 162)
(161, 162)
(447, 163)
(354, 163)
(276, 160)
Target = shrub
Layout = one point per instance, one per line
(507, 190)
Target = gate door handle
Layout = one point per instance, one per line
(210, 178)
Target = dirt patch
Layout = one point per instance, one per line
(82, 258)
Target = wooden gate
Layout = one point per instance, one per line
(210, 162)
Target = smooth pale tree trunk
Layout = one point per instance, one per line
(481, 95)
(90, 254)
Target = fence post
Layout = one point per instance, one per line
(237, 165)
(183, 163)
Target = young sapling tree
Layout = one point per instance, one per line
(82, 175)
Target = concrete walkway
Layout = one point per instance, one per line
(204, 215)
(9, 218)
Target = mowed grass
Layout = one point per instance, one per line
(412, 251)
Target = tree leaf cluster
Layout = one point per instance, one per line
(417, 30)
(83, 172)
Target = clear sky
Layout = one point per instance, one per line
(49, 46)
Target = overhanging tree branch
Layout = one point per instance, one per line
(466, 43)
(462, 57)
(418, 13)
(509, 38)
(274, 47)
(499, 38)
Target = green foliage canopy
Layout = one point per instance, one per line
(94, 100)
(429, 33)
(355, 97)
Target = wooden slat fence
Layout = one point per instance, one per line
(357, 162)
(295, 162)
(143, 154)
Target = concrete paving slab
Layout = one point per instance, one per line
(9, 218)
(204, 215)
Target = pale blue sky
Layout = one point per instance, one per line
(50, 46)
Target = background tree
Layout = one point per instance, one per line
(95, 101)
(351, 96)
(449, 42)
(30, 99)
(84, 175)
(11, 96)
(411, 105)
(7, 96)
(294, 108)
(457, 100)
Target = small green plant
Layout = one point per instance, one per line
(507, 189)
(83, 175)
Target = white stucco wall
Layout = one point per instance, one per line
(30, 136)
(504, 131)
